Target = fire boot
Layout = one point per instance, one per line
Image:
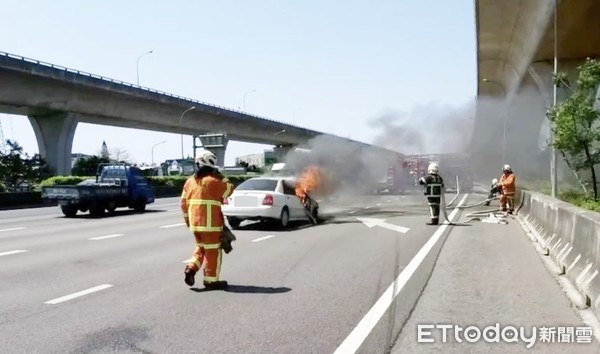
(189, 276)
(434, 221)
(217, 285)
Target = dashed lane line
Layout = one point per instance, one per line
(78, 294)
(263, 238)
(105, 237)
(173, 225)
(8, 253)
(13, 229)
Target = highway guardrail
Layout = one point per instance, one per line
(570, 236)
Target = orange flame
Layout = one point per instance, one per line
(311, 182)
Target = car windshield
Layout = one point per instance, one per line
(258, 185)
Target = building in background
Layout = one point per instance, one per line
(77, 156)
(259, 160)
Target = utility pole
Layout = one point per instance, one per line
(553, 161)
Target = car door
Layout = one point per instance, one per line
(293, 202)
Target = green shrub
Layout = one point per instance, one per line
(2, 187)
(166, 181)
(64, 180)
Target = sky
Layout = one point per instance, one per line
(333, 66)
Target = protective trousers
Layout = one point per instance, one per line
(434, 208)
(507, 201)
(207, 252)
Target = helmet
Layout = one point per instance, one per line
(206, 158)
(506, 168)
(495, 181)
(433, 168)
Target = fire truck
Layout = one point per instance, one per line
(403, 176)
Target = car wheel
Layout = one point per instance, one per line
(140, 206)
(111, 207)
(234, 222)
(96, 210)
(284, 219)
(69, 210)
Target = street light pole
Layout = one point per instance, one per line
(553, 161)
(153, 146)
(138, 66)
(503, 119)
(245, 98)
(180, 121)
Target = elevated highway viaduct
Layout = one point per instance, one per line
(515, 59)
(56, 99)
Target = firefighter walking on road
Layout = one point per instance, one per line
(507, 184)
(201, 201)
(434, 187)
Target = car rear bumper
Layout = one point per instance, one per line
(262, 212)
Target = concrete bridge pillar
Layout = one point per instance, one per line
(216, 143)
(54, 134)
(281, 151)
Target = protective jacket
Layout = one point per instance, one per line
(434, 187)
(507, 182)
(201, 201)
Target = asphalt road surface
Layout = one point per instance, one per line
(115, 284)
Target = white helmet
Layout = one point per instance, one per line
(206, 158)
(495, 181)
(506, 168)
(433, 168)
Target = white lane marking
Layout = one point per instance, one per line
(8, 253)
(105, 237)
(13, 229)
(173, 225)
(77, 294)
(371, 222)
(355, 339)
(263, 238)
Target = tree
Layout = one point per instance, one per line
(88, 166)
(18, 169)
(104, 151)
(576, 124)
(119, 155)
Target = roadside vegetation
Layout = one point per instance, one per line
(18, 170)
(575, 126)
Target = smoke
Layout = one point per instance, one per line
(350, 170)
(427, 129)
(525, 147)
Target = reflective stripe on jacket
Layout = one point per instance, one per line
(508, 184)
(201, 201)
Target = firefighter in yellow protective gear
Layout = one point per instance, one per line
(507, 184)
(201, 200)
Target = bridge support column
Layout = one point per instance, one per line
(281, 151)
(54, 134)
(216, 143)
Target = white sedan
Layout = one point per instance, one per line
(267, 199)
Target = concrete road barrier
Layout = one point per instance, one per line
(571, 237)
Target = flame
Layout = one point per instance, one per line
(311, 183)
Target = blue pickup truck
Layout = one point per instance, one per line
(116, 186)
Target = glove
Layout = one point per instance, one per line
(421, 180)
(227, 237)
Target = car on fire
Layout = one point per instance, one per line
(267, 199)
